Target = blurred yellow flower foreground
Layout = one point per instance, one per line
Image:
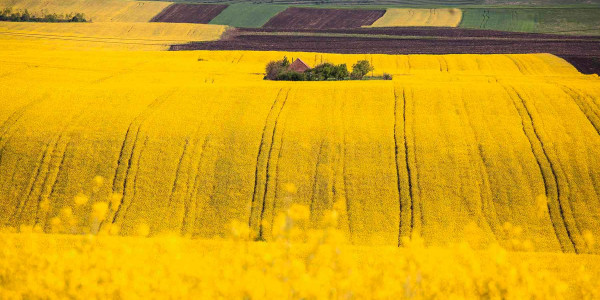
(300, 263)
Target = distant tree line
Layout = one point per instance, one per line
(280, 70)
(25, 16)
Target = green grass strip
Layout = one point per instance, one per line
(247, 15)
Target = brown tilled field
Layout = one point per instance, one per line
(316, 18)
(408, 32)
(189, 13)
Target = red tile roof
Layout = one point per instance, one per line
(299, 66)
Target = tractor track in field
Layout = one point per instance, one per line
(47, 192)
(549, 176)
(405, 193)
(196, 158)
(268, 165)
(127, 153)
(258, 157)
(263, 158)
(175, 183)
(416, 205)
(10, 123)
(563, 184)
(193, 171)
(488, 208)
(315, 181)
(38, 185)
(192, 193)
(585, 105)
(344, 147)
(276, 185)
(29, 188)
(135, 182)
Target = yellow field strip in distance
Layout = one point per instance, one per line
(94, 10)
(411, 17)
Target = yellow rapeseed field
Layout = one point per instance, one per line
(480, 159)
(94, 10)
(107, 35)
(411, 17)
(297, 264)
(419, 154)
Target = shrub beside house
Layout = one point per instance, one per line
(298, 70)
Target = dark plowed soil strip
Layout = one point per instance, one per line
(585, 64)
(316, 18)
(397, 46)
(189, 13)
(419, 31)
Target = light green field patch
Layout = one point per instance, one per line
(577, 21)
(247, 15)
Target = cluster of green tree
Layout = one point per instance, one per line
(280, 70)
(24, 16)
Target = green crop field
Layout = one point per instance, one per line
(583, 21)
(247, 15)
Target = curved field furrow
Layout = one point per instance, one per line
(548, 174)
(9, 124)
(587, 106)
(416, 207)
(173, 203)
(487, 217)
(403, 169)
(263, 163)
(49, 163)
(569, 159)
(271, 189)
(128, 156)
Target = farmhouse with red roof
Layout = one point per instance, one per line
(299, 66)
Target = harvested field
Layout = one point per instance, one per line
(315, 18)
(410, 17)
(189, 13)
